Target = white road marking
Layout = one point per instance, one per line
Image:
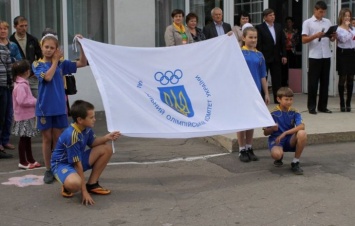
(187, 159)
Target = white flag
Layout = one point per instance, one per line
(193, 90)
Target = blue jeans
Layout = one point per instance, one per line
(6, 114)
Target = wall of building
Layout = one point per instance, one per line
(133, 25)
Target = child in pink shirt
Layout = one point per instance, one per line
(24, 114)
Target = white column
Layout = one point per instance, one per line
(305, 15)
(15, 11)
(65, 28)
(187, 7)
(228, 12)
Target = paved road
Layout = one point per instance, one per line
(167, 182)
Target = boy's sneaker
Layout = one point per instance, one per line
(296, 169)
(65, 193)
(243, 156)
(279, 162)
(252, 156)
(97, 189)
(48, 177)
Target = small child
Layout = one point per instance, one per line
(353, 21)
(257, 67)
(70, 159)
(288, 135)
(24, 114)
(51, 110)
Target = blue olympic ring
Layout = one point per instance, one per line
(169, 76)
(162, 78)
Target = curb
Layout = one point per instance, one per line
(261, 142)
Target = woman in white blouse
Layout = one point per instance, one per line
(345, 58)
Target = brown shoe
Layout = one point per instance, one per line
(9, 146)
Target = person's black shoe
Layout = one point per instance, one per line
(279, 162)
(296, 169)
(97, 189)
(325, 111)
(244, 156)
(4, 155)
(252, 156)
(313, 112)
(342, 106)
(48, 177)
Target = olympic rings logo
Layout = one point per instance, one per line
(168, 77)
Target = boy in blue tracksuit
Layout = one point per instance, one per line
(78, 150)
(288, 135)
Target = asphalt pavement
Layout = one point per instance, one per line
(175, 182)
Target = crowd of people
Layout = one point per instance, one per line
(34, 101)
(270, 49)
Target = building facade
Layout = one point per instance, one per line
(141, 23)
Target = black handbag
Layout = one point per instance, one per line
(70, 85)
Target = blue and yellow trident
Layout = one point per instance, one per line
(174, 96)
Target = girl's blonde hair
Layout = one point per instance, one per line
(50, 37)
(4, 23)
(245, 31)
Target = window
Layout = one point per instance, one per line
(348, 4)
(5, 12)
(163, 9)
(88, 18)
(203, 10)
(255, 9)
(41, 14)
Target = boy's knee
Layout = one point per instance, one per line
(277, 153)
(302, 135)
(73, 183)
(108, 149)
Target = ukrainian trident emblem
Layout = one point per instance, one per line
(175, 96)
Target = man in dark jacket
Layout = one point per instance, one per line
(271, 42)
(217, 27)
(29, 47)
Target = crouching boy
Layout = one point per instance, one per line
(71, 157)
(288, 135)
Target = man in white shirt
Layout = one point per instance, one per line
(313, 30)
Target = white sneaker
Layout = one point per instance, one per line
(29, 166)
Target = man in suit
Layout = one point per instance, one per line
(318, 57)
(271, 42)
(29, 47)
(217, 27)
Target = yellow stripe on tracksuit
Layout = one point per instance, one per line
(74, 139)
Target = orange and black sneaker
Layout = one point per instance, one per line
(65, 193)
(97, 189)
